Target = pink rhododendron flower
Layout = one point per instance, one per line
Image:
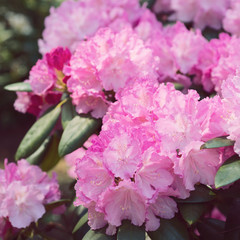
(142, 157)
(24, 191)
(231, 22)
(81, 19)
(218, 60)
(47, 82)
(231, 98)
(202, 13)
(176, 48)
(107, 61)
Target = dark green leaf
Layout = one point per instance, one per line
(51, 157)
(38, 133)
(178, 86)
(191, 212)
(78, 130)
(210, 229)
(97, 235)
(81, 222)
(37, 157)
(19, 87)
(68, 113)
(129, 231)
(55, 204)
(232, 226)
(217, 143)
(172, 229)
(201, 194)
(150, 3)
(228, 173)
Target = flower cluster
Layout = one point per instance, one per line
(202, 13)
(24, 189)
(108, 62)
(81, 19)
(218, 60)
(47, 82)
(110, 59)
(149, 150)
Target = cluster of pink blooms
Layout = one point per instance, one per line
(24, 190)
(47, 82)
(218, 60)
(214, 13)
(109, 59)
(81, 19)
(149, 150)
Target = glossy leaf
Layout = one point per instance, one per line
(130, 231)
(229, 172)
(97, 235)
(210, 229)
(55, 204)
(19, 87)
(51, 157)
(83, 220)
(191, 212)
(78, 130)
(68, 113)
(172, 229)
(38, 133)
(37, 157)
(217, 143)
(201, 194)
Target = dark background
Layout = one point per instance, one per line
(21, 25)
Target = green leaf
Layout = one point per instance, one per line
(37, 157)
(210, 229)
(38, 133)
(80, 223)
(68, 113)
(78, 130)
(172, 229)
(201, 194)
(217, 143)
(129, 231)
(232, 226)
(51, 157)
(229, 172)
(178, 86)
(191, 212)
(19, 87)
(97, 235)
(55, 204)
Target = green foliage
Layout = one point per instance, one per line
(68, 113)
(78, 130)
(83, 220)
(129, 231)
(38, 133)
(217, 143)
(229, 172)
(20, 87)
(55, 204)
(201, 194)
(191, 212)
(210, 229)
(173, 229)
(97, 235)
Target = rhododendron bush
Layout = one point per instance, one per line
(142, 102)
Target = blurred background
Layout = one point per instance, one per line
(21, 25)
